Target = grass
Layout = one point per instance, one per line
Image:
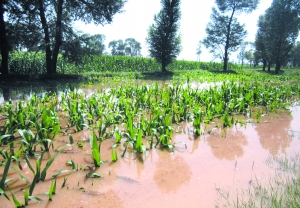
(282, 190)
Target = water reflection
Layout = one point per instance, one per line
(273, 134)
(229, 147)
(23, 90)
(171, 173)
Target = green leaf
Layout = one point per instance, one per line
(28, 164)
(96, 151)
(4, 175)
(71, 163)
(26, 196)
(35, 180)
(16, 202)
(22, 177)
(3, 193)
(48, 164)
(62, 172)
(35, 198)
(94, 175)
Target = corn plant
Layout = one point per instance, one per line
(198, 118)
(4, 180)
(52, 189)
(38, 174)
(95, 150)
(29, 141)
(47, 127)
(114, 154)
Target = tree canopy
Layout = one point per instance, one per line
(277, 32)
(51, 22)
(78, 45)
(224, 32)
(281, 25)
(129, 47)
(163, 37)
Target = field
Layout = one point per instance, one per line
(196, 138)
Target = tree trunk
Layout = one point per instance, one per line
(58, 41)
(264, 64)
(5, 92)
(225, 60)
(47, 36)
(3, 41)
(269, 67)
(227, 42)
(278, 66)
(163, 67)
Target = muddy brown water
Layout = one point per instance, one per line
(189, 177)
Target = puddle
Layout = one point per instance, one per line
(189, 177)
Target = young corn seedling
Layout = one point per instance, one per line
(38, 175)
(28, 197)
(198, 115)
(29, 141)
(139, 146)
(17, 203)
(114, 154)
(52, 189)
(3, 180)
(95, 150)
(47, 128)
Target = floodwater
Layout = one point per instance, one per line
(222, 161)
(192, 177)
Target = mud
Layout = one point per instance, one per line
(192, 177)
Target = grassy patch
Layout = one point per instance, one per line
(282, 190)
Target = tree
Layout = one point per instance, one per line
(117, 47)
(93, 45)
(242, 53)
(198, 50)
(163, 39)
(295, 57)
(224, 32)
(4, 46)
(249, 55)
(282, 29)
(77, 45)
(54, 19)
(261, 51)
(132, 47)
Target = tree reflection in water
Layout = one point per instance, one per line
(229, 147)
(273, 133)
(171, 172)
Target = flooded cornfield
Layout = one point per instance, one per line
(146, 144)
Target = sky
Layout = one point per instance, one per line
(138, 15)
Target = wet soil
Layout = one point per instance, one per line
(220, 162)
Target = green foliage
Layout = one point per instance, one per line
(224, 32)
(93, 64)
(130, 47)
(95, 150)
(117, 47)
(278, 30)
(163, 38)
(52, 189)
